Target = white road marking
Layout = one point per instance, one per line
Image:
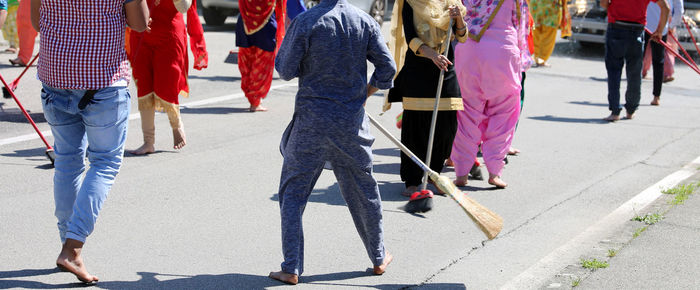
(135, 116)
(555, 261)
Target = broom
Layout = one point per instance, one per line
(489, 222)
(422, 201)
(49, 150)
(13, 85)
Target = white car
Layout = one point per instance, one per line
(215, 12)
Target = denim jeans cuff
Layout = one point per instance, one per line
(71, 235)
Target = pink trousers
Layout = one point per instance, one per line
(489, 79)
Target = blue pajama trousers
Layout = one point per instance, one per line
(305, 154)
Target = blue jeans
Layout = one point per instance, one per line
(623, 46)
(100, 128)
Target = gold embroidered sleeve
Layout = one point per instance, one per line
(415, 45)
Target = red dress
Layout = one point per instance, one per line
(159, 57)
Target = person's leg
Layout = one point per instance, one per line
(633, 61)
(146, 105)
(657, 53)
(169, 67)
(26, 32)
(70, 143)
(544, 46)
(361, 193)
(414, 135)
(669, 62)
(106, 121)
(142, 71)
(9, 30)
(256, 67)
(303, 163)
(468, 135)
(646, 61)
(615, 46)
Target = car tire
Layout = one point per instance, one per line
(213, 16)
(378, 10)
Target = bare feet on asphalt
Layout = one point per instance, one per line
(258, 108)
(655, 101)
(70, 260)
(378, 270)
(287, 278)
(449, 163)
(146, 148)
(612, 118)
(461, 180)
(497, 181)
(513, 151)
(629, 116)
(179, 138)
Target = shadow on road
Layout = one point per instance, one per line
(587, 103)
(570, 120)
(215, 78)
(16, 116)
(5, 283)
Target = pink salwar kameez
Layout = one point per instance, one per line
(488, 67)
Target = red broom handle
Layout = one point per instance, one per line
(25, 113)
(697, 70)
(691, 35)
(14, 83)
(681, 47)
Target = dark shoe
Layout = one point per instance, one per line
(475, 173)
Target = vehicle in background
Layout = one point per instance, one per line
(215, 12)
(589, 22)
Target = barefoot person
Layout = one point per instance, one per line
(624, 46)
(327, 48)
(86, 101)
(159, 60)
(489, 68)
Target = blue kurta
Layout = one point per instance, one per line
(327, 48)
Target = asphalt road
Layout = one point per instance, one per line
(207, 216)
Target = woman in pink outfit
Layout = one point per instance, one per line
(488, 67)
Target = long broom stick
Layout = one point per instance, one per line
(697, 70)
(489, 222)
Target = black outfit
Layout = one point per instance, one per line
(419, 79)
(657, 62)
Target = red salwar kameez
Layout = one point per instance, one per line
(256, 54)
(160, 63)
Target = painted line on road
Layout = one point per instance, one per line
(135, 116)
(555, 261)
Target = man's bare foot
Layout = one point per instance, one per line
(612, 118)
(179, 138)
(497, 181)
(258, 108)
(378, 270)
(291, 279)
(513, 151)
(409, 191)
(629, 116)
(146, 148)
(655, 101)
(449, 162)
(70, 260)
(461, 180)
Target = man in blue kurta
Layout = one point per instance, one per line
(327, 48)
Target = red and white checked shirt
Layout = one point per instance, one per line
(82, 44)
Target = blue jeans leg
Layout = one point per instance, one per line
(101, 127)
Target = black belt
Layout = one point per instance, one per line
(633, 26)
(86, 99)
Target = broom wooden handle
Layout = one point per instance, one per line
(488, 222)
(696, 69)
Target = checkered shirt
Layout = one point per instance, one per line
(82, 44)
